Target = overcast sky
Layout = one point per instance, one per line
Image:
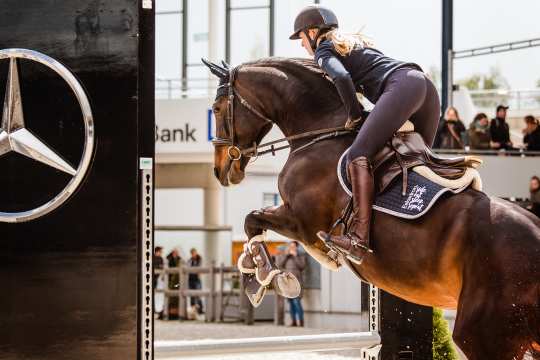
(404, 29)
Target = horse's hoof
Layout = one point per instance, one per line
(245, 264)
(265, 275)
(253, 290)
(257, 298)
(287, 285)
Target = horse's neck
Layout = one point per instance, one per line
(294, 123)
(280, 101)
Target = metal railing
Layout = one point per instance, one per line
(177, 88)
(216, 295)
(518, 99)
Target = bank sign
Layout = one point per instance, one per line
(184, 126)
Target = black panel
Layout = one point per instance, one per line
(406, 329)
(69, 279)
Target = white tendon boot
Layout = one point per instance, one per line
(256, 260)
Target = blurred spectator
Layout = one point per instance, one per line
(479, 134)
(500, 132)
(531, 133)
(194, 280)
(534, 188)
(295, 263)
(174, 260)
(158, 282)
(158, 262)
(451, 133)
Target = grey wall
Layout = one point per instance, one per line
(508, 176)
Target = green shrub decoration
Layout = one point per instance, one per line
(443, 347)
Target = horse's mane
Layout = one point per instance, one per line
(312, 86)
(288, 63)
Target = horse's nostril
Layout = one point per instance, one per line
(216, 172)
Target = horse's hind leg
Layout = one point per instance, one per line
(490, 327)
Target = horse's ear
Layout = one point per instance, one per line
(225, 65)
(216, 69)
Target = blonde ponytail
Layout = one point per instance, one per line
(345, 43)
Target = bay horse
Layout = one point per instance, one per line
(472, 252)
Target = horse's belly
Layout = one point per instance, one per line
(436, 300)
(436, 294)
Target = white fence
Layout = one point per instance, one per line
(369, 341)
(273, 344)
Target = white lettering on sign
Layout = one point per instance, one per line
(415, 199)
(180, 135)
(183, 126)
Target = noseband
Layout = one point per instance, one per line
(235, 153)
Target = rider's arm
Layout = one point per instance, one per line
(329, 63)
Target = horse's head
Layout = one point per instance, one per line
(240, 124)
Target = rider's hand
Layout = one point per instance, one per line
(352, 123)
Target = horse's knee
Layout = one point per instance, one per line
(251, 224)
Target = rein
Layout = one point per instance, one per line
(235, 153)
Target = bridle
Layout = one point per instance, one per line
(235, 153)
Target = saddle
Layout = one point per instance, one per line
(425, 177)
(407, 150)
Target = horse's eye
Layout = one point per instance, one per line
(216, 109)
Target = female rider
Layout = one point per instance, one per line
(399, 90)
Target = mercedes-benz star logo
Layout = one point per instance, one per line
(14, 136)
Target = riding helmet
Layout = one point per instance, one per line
(313, 16)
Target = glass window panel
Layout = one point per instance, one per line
(197, 31)
(285, 13)
(168, 46)
(249, 35)
(168, 5)
(271, 199)
(249, 3)
(390, 30)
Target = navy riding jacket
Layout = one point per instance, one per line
(364, 70)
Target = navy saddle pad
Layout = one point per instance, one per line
(421, 193)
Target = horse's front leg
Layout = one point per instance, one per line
(276, 218)
(283, 221)
(257, 264)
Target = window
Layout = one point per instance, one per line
(271, 199)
